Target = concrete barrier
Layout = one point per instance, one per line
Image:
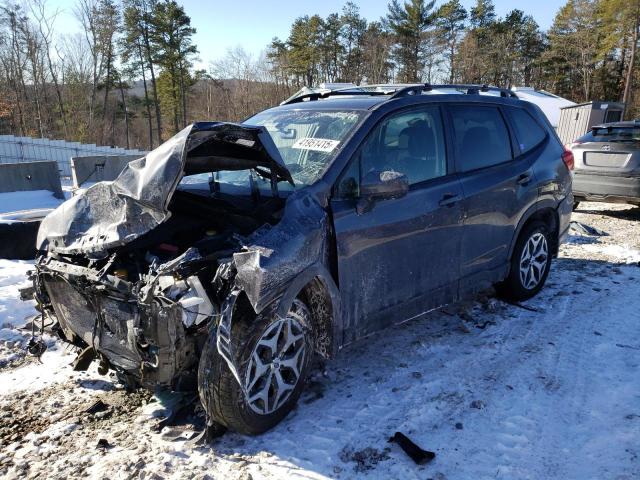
(18, 240)
(17, 177)
(98, 168)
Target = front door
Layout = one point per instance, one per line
(401, 257)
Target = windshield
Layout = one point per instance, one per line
(307, 140)
(612, 134)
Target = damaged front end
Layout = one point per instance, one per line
(149, 331)
(139, 274)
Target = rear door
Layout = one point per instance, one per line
(498, 186)
(401, 257)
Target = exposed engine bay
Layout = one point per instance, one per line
(145, 306)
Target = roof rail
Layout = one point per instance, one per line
(399, 92)
(471, 89)
(341, 91)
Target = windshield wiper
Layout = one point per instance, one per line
(255, 191)
(214, 186)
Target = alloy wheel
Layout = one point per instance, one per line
(533, 261)
(276, 362)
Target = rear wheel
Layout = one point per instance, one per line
(530, 263)
(274, 358)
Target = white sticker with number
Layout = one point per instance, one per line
(317, 144)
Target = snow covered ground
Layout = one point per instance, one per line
(27, 200)
(495, 390)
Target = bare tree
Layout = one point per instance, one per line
(45, 23)
(86, 12)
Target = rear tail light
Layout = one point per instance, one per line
(567, 157)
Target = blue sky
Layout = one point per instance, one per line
(253, 23)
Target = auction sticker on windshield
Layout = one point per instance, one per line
(317, 144)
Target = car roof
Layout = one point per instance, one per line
(370, 102)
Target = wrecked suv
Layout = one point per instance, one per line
(233, 254)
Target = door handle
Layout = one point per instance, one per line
(524, 178)
(449, 199)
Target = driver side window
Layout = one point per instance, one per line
(410, 142)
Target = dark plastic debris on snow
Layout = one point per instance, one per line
(416, 453)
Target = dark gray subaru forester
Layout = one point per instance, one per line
(231, 255)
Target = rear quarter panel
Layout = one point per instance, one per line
(553, 178)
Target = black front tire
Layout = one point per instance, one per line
(222, 397)
(513, 288)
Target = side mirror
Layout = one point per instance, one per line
(378, 185)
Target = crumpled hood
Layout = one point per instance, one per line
(109, 214)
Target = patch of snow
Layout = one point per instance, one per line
(25, 215)
(27, 200)
(14, 314)
(13, 311)
(619, 252)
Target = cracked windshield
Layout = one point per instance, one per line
(307, 141)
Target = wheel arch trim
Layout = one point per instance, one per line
(319, 272)
(529, 214)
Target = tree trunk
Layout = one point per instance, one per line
(183, 93)
(107, 81)
(126, 113)
(154, 88)
(107, 84)
(36, 95)
(626, 97)
(174, 91)
(452, 52)
(146, 97)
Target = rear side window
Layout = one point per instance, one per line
(481, 137)
(528, 132)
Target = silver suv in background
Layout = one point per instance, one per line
(607, 164)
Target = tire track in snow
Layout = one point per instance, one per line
(516, 436)
(545, 449)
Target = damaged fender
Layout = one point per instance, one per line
(276, 266)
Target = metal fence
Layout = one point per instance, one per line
(26, 149)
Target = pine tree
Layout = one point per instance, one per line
(450, 20)
(173, 50)
(132, 52)
(352, 32)
(408, 23)
(304, 45)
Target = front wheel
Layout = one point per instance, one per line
(274, 356)
(530, 263)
